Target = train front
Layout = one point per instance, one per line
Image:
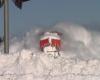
(50, 43)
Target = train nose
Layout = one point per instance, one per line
(51, 50)
(50, 43)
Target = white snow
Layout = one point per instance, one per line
(79, 60)
(29, 66)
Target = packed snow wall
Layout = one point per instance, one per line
(79, 59)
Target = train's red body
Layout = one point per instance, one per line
(50, 43)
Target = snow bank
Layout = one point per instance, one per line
(29, 66)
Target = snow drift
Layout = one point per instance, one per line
(79, 58)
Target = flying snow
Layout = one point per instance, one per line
(79, 56)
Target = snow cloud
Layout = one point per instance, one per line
(79, 59)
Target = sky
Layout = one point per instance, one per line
(49, 12)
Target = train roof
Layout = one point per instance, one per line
(52, 35)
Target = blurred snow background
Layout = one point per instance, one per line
(79, 60)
